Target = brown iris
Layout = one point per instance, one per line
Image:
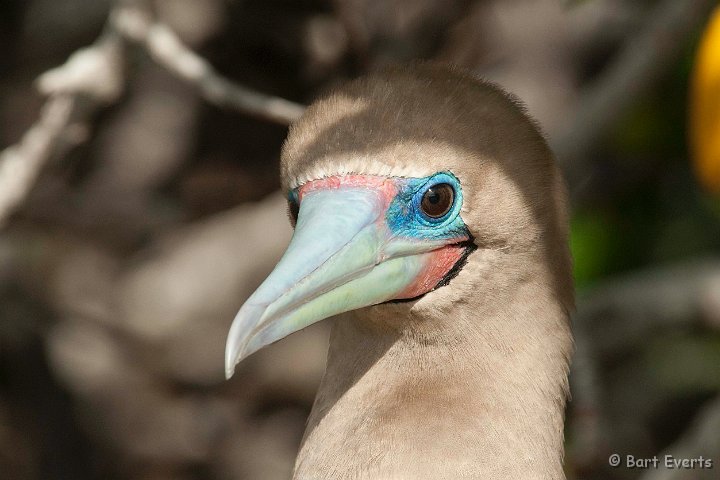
(437, 200)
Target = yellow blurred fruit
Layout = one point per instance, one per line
(705, 107)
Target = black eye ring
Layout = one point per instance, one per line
(438, 200)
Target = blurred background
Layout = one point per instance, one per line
(139, 208)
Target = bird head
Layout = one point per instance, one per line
(394, 181)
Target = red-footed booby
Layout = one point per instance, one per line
(430, 223)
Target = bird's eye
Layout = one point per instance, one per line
(438, 200)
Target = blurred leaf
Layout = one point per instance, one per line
(591, 241)
(705, 107)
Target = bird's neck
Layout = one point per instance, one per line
(475, 389)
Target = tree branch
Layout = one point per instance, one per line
(90, 78)
(95, 73)
(164, 46)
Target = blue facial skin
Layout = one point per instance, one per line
(405, 218)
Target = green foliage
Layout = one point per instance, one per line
(592, 241)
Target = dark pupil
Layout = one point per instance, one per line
(438, 200)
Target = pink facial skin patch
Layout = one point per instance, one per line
(439, 264)
(385, 186)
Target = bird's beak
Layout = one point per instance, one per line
(342, 257)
